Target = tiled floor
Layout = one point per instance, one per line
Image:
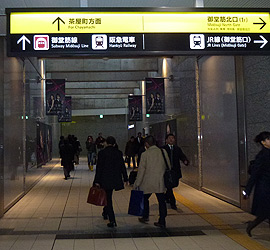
(55, 215)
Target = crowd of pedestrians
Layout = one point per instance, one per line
(111, 173)
(151, 164)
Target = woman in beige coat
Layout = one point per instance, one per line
(150, 179)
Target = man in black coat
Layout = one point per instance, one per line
(140, 147)
(67, 156)
(176, 155)
(110, 172)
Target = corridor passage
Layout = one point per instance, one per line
(55, 215)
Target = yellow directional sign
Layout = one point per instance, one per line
(138, 22)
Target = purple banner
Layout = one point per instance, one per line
(55, 94)
(135, 107)
(66, 114)
(155, 98)
(44, 143)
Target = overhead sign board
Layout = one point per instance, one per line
(52, 32)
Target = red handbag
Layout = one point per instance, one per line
(97, 196)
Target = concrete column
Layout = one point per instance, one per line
(2, 51)
(43, 89)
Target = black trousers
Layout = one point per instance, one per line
(161, 205)
(133, 161)
(170, 197)
(108, 210)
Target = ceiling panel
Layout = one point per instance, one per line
(93, 3)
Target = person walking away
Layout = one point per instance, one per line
(110, 173)
(100, 142)
(91, 151)
(77, 150)
(130, 151)
(150, 179)
(67, 155)
(176, 155)
(140, 147)
(260, 179)
(60, 143)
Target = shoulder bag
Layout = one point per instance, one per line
(170, 178)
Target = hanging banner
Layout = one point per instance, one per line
(55, 95)
(66, 114)
(155, 97)
(44, 144)
(135, 107)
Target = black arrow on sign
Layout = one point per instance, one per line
(263, 23)
(58, 19)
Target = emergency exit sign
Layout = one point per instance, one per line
(137, 31)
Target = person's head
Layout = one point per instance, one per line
(132, 138)
(90, 138)
(58, 97)
(263, 138)
(149, 141)
(110, 141)
(62, 137)
(158, 95)
(152, 95)
(52, 96)
(139, 134)
(170, 139)
(99, 134)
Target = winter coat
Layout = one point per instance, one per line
(260, 178)
(131, 148)
(111, 169)
(91, 147)
(67, 155)
(150, 177)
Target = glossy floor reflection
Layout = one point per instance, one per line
(54, 215)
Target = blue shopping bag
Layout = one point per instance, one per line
(136, 203)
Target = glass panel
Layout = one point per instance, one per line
(220, 168)
(13, 130)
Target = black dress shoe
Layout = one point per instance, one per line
(143, 220)
(112, 224)
(249, 228)
(174, 207)
(157, 224)
(105, 216)
(65, 178)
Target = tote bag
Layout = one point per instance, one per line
(97, 196)
(136, 203)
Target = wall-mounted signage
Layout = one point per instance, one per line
(143, 31)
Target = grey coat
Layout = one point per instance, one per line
(150, 177)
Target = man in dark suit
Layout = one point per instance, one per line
(110, 173)
(176, 155)
(140, 147)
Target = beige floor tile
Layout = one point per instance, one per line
(102, 244)
(145, 244)
(84, 244)
(44, 242)
(63, 245)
